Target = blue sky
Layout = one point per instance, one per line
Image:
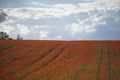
(61, 19)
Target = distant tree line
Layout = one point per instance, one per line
(19, 37)
(5, 36)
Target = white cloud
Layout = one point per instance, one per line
(43, 30)
(23, 29)
(100, 5)
(57, 10)
(86, 7)
(60, 10)
(87, 25)
(59, 37)
(74, 28)
(6, 28)
(18, 13)
(37, 13)
(80, 28)
(34, 3)
(44, 34)
(111, 3)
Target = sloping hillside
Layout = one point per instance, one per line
(59, 60)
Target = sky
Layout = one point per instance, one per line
(61, 19)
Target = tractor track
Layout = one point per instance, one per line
(11, 62)
(38, 59)
(7, 47)
(52, 58)
(109, 62)
(100, 60)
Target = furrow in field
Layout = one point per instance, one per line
(53, 54)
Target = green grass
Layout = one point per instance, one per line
(6, 47)
(78, 73)
(100, 59)
(109, 64)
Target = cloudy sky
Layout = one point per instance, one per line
(61, 19)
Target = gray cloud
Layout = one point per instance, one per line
(2, 16)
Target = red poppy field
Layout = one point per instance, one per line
(59, 60)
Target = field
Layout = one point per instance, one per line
(59, 60)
